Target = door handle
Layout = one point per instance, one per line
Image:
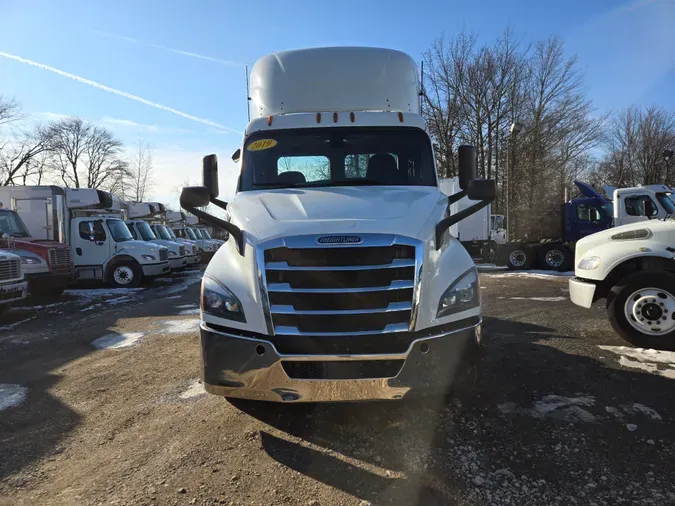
(78, 251)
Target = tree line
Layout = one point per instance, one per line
(526, 108)
(70, 152)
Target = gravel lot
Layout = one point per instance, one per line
(100, 404)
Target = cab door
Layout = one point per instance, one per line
(91, 243)
(635, 205)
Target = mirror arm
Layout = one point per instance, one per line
(446, 223)
(235, 232)
(220, 203)
(456, 197)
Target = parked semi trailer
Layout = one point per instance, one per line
(12, 285)
(47, 265)
(88, 220)
(340, 280)
(584, 216)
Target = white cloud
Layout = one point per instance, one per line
(133, 125)
(114, 91)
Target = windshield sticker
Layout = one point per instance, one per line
(261, 144)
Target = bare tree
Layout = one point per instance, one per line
(88, 156)
(10, 110)
(23, 155)
(141, 181)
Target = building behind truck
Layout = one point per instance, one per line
(12, 285)
(88, 221)
(554, 245)
(47, 265)
(340, 280)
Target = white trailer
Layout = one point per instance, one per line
(89, 221)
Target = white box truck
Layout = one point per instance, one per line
(178, 223)
(340, 280)
(89, 221)
(12, 284)
(136, 214)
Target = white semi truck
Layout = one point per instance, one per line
(178, 223)
(12, 284)
(136, 215)
(89, 221)
(340, 280)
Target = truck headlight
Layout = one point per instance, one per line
(461, 295)
(589, 263)
(172, 253)
(218, 300)
(30, 260)
(149, 258)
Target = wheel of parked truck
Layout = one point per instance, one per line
(125, 275)
(641, 309)
(555, 257)
(519, 257)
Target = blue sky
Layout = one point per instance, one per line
(627, 50)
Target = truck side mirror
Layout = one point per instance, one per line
(236, 155)
(194, 196)
(467, 166)
(210, 174)
(482, 189)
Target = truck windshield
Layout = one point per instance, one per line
(146, 232)
(119, 231)
(664, 199)
(173, 236)
(132, 229)
(205, 233)
(11, 223)
(320, 157)
(190, 234)
(163, 234)
(198, 233)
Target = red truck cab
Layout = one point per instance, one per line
(47, 265)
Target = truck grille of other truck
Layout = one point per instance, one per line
(10, 269)
(60, 257)
(342, 291)
(181, 251)
(163, 254)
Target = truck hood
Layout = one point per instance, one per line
(355, 209)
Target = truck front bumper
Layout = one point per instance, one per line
(156, 269)
(12, 292)
(252, 368)
(178, 264)
(52, 279)
(193, 260)
(582, 292)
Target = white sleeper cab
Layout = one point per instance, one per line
(340, 280)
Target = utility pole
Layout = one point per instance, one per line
(510, 151)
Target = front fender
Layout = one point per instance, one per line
(614, 253)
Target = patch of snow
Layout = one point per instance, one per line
(102, 292)
(631, 427)
(16, 324)
(90, 308)
(532, 274)
(172, 297)
(641, 408)
(118, 300)
(555, 406)
(195, 389)
(179, 326)
(541, 299)
(42, 306)
(11, 395)
(186, 306)
(116, 340)
(652, 361)
(490, 267)
(186, 312)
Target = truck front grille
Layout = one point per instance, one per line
(10, 269)
(181, 251)
(60, 257)
(163, 254)
(337, 290)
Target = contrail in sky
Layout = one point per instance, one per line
(124, 94)
(172, 50)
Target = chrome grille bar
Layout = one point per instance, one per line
(394, 306)
(283, 266)
(395, 285)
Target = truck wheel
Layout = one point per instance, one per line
(126, 275)
(641, 310)
(555, 257)
(519, 257)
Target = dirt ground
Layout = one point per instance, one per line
(100, 403)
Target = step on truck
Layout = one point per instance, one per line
(340, 280)
(580, 217)
(12, 285)
(47, 265)
(88, 221)
(135, 215)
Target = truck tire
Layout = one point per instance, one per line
(125, 274)
(519, 257)
(641, 309)
(555, 257)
